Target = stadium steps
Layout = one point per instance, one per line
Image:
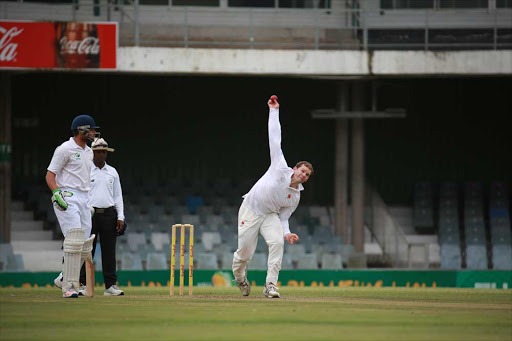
(404, 216)
(29, 239)
(40, 255)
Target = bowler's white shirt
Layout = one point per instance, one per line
(106, 189)
(272, 193)
(72, 166)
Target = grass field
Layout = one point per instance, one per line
(304, 313)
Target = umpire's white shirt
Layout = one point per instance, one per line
(106, 189)
(272, 193)
(72, 166)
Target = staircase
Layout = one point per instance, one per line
(36, 245)
(424, 246)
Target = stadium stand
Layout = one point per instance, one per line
(206, 261)
(423, 208)
(474, 227)
(500, 226)
(258, 261)
(130, 261)
(461, 229)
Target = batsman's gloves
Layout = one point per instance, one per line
(58, 199)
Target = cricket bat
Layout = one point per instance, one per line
(89, 273)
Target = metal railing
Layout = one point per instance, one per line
(386, 230)
(336, 24)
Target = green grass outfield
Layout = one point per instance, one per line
(304, 313)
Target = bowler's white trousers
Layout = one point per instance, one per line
(77, 215)
(249, 225)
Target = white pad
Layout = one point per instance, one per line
(73, 246)
(87, 250)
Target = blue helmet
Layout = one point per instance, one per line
(82, 124)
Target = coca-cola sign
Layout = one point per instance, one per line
(58, 45)
(8, 49)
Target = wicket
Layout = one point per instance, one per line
(182, 258)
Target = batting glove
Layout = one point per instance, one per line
(58, 199)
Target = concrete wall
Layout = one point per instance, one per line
(313, 63)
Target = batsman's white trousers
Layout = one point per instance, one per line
(78, 213)
(249, 225)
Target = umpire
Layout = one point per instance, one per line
(106, 197)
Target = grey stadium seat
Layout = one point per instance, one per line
(450, 257)
(502, 257)
(307, 261)
(156, 261)
(207, 261)
(476, 257)
(331, 261)
(258, 261)
(131, 261)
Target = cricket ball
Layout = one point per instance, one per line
(273, 98)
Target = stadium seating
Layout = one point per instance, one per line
(206, 261)
(156, 261)
(500, 226)
(423, 208)
(5, 251)
(130, 261)
(307, 261)
(332, 261)
(258, 261)
(451, 258)
(460, 221)
(474, 227)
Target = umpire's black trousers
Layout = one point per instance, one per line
(104, 224)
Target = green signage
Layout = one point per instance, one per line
(343, 278)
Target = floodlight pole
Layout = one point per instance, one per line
(357, 114)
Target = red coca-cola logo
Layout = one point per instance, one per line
(8, 49)
(89, 46)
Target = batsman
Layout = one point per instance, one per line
(69, 179)
(267, 208)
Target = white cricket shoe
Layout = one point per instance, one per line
(58, 281)
(82, 290)
(113, 291)
(245, 287)
(270, 291)
(71, 293)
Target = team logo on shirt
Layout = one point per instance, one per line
(289, 196)
(111, 181)
(242, 224)
(76, 157)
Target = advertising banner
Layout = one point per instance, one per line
(322, 278)
(58, 45)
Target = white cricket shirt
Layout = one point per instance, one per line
(72, 166)
(106, 189)
(272, 193)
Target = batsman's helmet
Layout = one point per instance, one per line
(82, 124)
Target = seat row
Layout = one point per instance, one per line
(211, 261)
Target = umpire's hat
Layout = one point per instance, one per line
(101, 144)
